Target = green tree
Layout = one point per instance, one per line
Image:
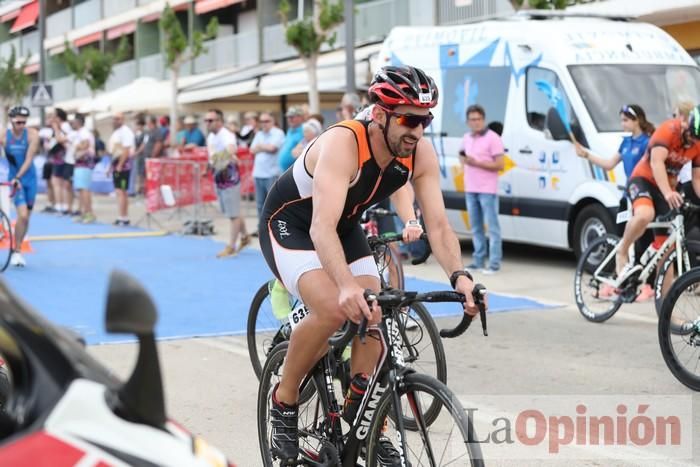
(177, 53)
(309, 34)
(93, 66)
(543, 4)
(14, 83)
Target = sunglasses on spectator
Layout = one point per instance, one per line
(19, 122)
(209, 120)
(410, 120)
(627, 109)
(265, 121)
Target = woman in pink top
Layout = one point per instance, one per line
(482, 156)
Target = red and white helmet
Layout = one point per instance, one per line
(403, 85)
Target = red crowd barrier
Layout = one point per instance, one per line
(245, 169)
(190, 182)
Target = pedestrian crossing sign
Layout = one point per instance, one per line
(42, 95)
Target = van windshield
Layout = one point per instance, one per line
(605, 89)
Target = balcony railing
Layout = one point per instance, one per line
(229, 51)
(275, 45)
(82, 89)
(6, 48)
(63, 89)
(113, 7)
(59, 23)
(122, 74)
(86, 13)
(30, 44)
(374, 20)
(476, 10)
(152, 66)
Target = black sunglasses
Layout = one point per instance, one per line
(209, 120)
(410, 120)
(19, 122)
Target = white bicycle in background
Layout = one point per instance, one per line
(597, 291)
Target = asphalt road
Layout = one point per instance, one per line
(553, 353)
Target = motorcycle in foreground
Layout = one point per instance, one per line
(60, 407)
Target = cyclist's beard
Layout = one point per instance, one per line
(403, 146)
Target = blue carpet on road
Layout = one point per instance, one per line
(196, 294)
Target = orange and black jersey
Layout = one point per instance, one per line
(670, 136)
(289, 200)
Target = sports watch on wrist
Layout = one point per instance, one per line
(456, 274)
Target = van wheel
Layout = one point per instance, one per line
(592, 222)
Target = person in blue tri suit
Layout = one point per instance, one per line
(20, 144)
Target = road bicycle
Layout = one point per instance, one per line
(597, 291)
(679, 329)
(422, 346)
(394, 393)
(60, 406)
(6, 232)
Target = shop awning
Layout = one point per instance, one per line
(223, 91)
(121, 30)
(156, 16)
(290, 77)
(205, 6)
(27, 17)
(10, 10)
(89, 39)
(30, 69)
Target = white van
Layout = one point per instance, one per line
(548, 195)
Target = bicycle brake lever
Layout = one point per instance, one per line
(479, 292)
(362, 332)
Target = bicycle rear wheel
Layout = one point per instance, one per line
(596, 300)
(679, 329)
(265, 328)
(6, 238)
(449, 440)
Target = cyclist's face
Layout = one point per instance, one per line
(402, 138)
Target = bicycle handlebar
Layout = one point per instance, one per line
(391, 299)
(13, 187)
(478, 293)
(686, 206)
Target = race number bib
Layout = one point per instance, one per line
(623, 216)
(298, 314)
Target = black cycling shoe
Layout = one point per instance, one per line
(387, 455)
(284, 441)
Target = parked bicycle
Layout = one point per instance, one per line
(597, 291)
(395, 393)
(679, 329)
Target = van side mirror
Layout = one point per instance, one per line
(555, 125)
(131, 310)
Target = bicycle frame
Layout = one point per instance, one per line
(387, 377)
(675, 239)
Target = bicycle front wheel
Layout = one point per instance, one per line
(596, 300)
(6, 238)
(449, 440)
(423, 351)
(679, 329)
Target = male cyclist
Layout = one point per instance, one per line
(312, 241)
(652, 186)
(21, 144)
